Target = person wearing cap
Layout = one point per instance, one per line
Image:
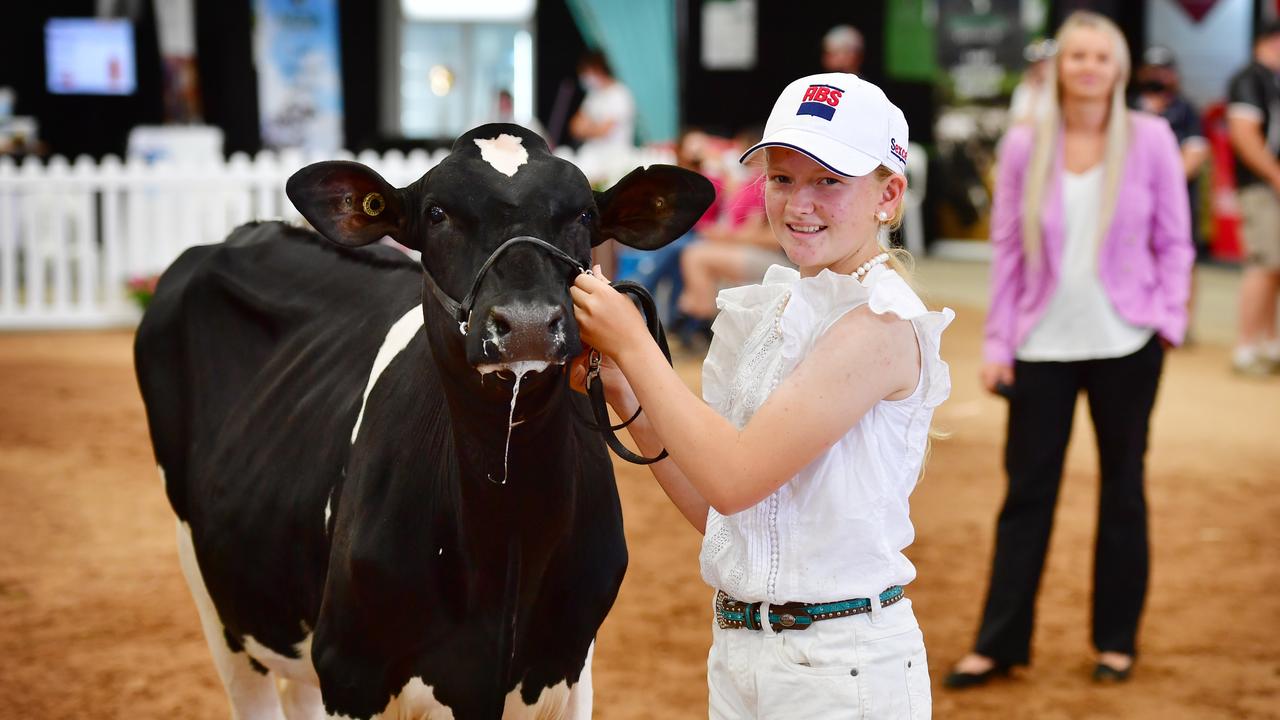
(1090, 269)
(819, 388)
(1157, 91)
(1253, 126)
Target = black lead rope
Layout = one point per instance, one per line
(461, 313)
(595, 386)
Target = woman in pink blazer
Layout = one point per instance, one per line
(1091, 267)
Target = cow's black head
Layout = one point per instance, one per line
(502, 182)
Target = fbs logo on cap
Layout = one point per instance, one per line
(820, 101)
(897, 150)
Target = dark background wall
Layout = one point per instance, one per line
(228, 81)
(788, 45)
(75, 124)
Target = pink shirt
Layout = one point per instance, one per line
(1146, 255)
(746, 203)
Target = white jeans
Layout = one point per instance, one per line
(864, 667)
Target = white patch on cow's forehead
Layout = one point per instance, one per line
(505, 153)
(397, 339)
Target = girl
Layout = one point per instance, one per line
(820, 386)
(1091, 265)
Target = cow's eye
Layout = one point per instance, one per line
(436, 213)
(586, 217)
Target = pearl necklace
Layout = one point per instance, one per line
(865, 268)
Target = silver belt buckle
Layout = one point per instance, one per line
(721, 621)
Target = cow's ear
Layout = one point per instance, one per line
(652, 206)
(347, 202)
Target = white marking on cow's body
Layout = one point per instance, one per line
(251, 693)
(299, 668)
(328, 505)
(505, 153)
(397, 339)
(558, 702)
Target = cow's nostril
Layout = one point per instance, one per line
(556, 323)
(499, 325)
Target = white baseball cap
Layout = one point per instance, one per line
(843, 122)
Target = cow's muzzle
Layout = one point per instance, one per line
(523, 332)
(461, 311)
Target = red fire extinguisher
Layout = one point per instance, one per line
(1225, 208)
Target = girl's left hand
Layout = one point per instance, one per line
(607, 320)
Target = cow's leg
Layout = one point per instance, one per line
(251, 691)
(579, 705)
(301, 700)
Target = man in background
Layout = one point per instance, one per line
(1253, 125)
(842, 50)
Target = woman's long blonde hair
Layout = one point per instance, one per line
(1048, 127)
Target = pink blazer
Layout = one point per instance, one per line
(1146, 256)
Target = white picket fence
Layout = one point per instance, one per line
(72, 235)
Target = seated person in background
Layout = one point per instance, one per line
(659, 270)
(736, 250)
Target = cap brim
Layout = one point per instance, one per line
(831, 154)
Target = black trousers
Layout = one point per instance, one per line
(1121, 393)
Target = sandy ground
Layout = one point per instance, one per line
(96, 622)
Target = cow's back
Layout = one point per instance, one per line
(222, 313)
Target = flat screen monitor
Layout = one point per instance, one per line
(90, 56)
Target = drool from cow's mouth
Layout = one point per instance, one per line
(519, 369)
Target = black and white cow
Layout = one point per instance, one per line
(382, 512)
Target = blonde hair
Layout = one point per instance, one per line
(1047, 128)
(899, 259)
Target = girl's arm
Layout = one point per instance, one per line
(622, 399)
(862, 359)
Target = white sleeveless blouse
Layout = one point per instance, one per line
(837, 529)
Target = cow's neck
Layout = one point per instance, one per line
(515, 485)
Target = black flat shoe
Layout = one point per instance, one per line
(959, 680)
(1103, 673)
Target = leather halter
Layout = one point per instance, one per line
(461, 313)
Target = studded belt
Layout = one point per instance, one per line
(734, 614)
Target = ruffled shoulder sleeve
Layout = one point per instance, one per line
(741, 309)
(818, 302)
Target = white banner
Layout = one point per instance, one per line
(299, 74)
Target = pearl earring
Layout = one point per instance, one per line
(882, 216)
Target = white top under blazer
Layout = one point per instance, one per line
(838, 528)
(1080, 323)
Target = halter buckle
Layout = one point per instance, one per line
(593, 366)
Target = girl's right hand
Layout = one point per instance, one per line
(994, 374)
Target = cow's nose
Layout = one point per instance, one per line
(526, 331)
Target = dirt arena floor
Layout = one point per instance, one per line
(96, 622)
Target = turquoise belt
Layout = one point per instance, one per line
(734, 614)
